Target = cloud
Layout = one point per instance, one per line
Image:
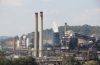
(11, 2)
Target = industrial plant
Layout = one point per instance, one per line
(50, 48)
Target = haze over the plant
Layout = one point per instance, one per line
(17, 16)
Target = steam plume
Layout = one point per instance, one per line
(55, 27)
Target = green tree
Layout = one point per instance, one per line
(91, 62)
(4, 61)
(70, 60)
(24, 61)
(30, 61)
(2, 54)
(18, 61)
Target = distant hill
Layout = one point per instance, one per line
(84, 29)
(3, 37)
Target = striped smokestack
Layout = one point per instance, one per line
(36, 38)
(41, 35)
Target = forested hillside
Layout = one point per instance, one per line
(84, 29)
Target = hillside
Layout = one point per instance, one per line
(84, 29)
(3, 37)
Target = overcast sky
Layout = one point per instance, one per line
(17, 16)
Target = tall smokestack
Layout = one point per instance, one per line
(13, 46)
(41, 35)
(36, 36)
(65, 27)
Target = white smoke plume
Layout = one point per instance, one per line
(55, 27)
(18, 43)
(27, 42)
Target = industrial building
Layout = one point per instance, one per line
(56, 39)
(68, 43)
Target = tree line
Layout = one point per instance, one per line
(70, 60)
(18, 61)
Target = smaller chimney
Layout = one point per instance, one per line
(65, 27)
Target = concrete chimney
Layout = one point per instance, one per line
(41, 35)
(14, 45)
(65, 27)
(36, 36)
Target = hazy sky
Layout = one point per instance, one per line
(17, 16)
